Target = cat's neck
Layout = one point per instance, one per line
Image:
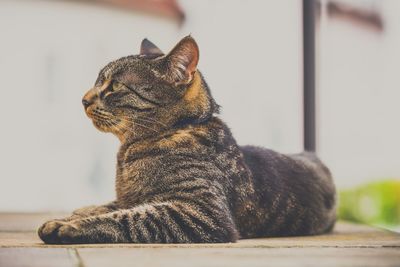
(149, 140)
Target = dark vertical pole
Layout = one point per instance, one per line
(309, 74)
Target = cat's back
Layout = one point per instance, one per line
(267, 162)
(295, 191)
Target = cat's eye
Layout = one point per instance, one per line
(112, 87)
(115, 86)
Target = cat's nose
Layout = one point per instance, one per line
(86, 103)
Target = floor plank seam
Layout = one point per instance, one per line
(75, 257)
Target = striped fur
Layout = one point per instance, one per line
(181, 177)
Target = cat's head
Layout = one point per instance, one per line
(146, 94)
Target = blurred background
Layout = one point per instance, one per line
(251, 54)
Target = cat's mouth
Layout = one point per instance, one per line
(106, 122)
(101, 119)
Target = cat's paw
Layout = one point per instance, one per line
(59, 232)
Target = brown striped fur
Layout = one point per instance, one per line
(181, 177)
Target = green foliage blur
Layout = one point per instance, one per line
(376, 203)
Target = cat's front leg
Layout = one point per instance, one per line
(81, 230)
(49, 229)
(166, 222)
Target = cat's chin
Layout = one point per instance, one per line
(101, 127)
(105, 129)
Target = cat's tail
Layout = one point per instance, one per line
(326, 184)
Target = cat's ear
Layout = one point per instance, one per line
(182, 61)
(148, 48)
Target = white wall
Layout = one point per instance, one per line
(51, 156)
(359, 122)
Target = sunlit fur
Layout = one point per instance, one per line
(181, 177)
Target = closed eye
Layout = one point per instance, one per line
(114, 86)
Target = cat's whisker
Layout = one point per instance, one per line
(152, 120)
(108, 122)
(136, 124)
(103, 117)
(127, 124)
(140, 119)
(141, 125)
(115, 128)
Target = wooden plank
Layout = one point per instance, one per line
(19, 230)
(19, 239)
(37, 257)
(344, 235)
(348, 245)
(354, 257)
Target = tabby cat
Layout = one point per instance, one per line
(181, 177)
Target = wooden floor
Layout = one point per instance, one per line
(349, 245)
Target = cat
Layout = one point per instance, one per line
(181, 177)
